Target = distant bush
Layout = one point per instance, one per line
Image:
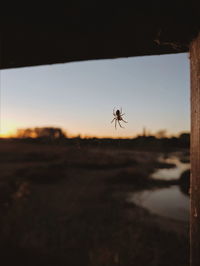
(41, 132)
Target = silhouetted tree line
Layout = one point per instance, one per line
(140, 142)
(158, 142)
(41, 132)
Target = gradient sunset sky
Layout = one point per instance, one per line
(153, 91)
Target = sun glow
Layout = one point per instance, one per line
(7, 129)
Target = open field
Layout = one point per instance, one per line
(66, 205)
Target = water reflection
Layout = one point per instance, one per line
(171, 173)
(171, 202)
(168, 202)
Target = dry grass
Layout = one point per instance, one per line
(66, 206)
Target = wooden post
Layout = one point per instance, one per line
(195, 153)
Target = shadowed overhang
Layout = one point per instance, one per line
(89, 30)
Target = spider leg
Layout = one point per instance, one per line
(113, 120)
(115, 123)
(122, 114)
(120, 124)
(124, 120)
(121, 110)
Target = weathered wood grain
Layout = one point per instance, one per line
(195, 152)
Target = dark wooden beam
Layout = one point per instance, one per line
(88, 30)
(195, 152)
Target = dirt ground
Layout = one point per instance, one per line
(66, 205)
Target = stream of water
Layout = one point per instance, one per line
(169, 202)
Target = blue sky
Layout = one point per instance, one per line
(79, 97)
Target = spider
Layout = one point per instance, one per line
(118, 117)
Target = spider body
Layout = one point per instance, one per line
(118, 113)
(118, 117)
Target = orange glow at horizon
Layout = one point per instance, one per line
(7, 129)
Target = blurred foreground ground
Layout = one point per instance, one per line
(66, 205)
